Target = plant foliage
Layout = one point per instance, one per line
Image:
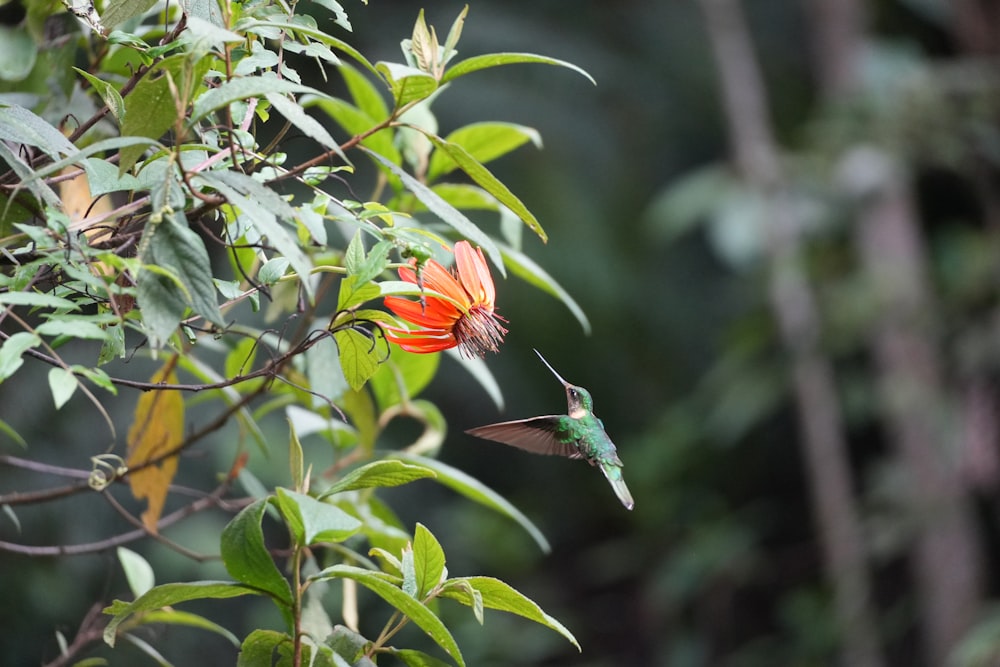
(190, 196)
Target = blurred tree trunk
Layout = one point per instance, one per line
(792, 300)
(915, 401)
(914, 397)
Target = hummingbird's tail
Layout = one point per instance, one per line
(614, 474)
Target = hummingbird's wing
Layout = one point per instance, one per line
(537, 435)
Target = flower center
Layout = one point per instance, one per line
(479, 331)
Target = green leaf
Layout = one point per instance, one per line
(313, 521)
(475, 490)
(258, 648)
(162, 303)
(482, 374)
(428, 561)
(409, 585)
(36, 299)
(353, 292)
(339, 15)
(408, 84)
(360, 408)
(487, 181)
(171, 594)
(316, 622)
(435, 427)
(419, 614)
(299, 28)
(12, 350)
(357, 122)
(80, 158)
(12, 212)
(104, 177)
(354, 256)
(380, 474)
(75, 328)
(21, 126)
(484, 142)
(112, 98)
(29, 179)
(240, 359)
(476, 63)
(96, 376)
(375, 263)
(311, 127)
(499, 595)
(18, 52)
(414, 658)
(262, 207)
(444, 210)
(173, 246)
(138, 572)
(150, 109)
(9, 431)
(272, 270)
(350, 646)
(247, 559)
(461, 590)
(204, 36)
(10, 514)
(326, 377)
(451, 41)
(122, 10)
(526, 269)
(467, 197)
(296, 460)
(240, 89)
(62, 384)
(146, 648)
(366, 96)
(413, 371)
(422, 45)
(358, 356)
(176, 274)
(187, 619)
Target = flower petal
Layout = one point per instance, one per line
(422, 344)
(436, 313)
(474, 274)
(439, 279)
(408, 274)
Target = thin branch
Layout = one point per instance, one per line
(25, 498)
(170, 544)
(91, 630)
(44, 495)
(268, 370)
(212, 500)
(37, 466)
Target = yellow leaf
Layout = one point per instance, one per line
(78, 204)
(158, 428)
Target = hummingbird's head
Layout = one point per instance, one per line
(579, 401)
(578, 398)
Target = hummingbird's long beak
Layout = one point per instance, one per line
(559, 377)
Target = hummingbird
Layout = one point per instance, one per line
(577, 435)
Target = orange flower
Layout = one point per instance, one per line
(464, 317)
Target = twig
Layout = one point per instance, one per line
(91, 630)
(211, 500)
(125, 514)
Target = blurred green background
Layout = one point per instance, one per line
(664, 248)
